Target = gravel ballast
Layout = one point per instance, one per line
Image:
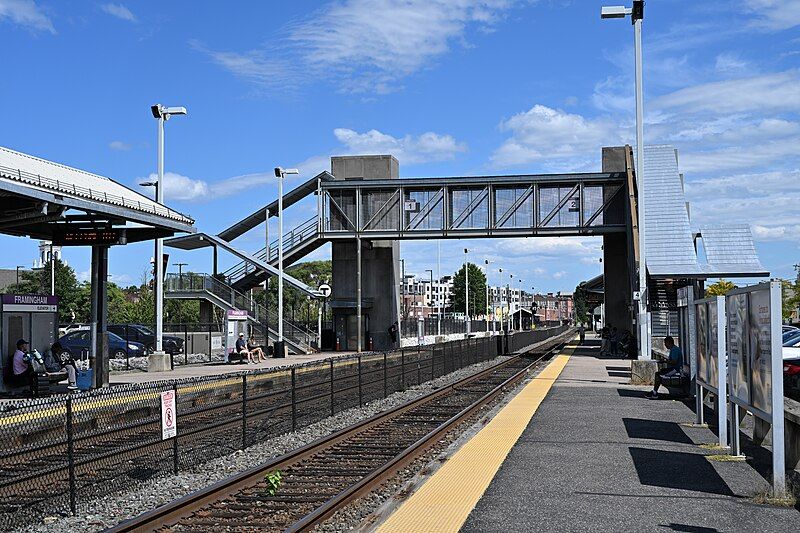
(100, 513)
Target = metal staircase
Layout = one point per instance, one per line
(202, 286)
(297, 243)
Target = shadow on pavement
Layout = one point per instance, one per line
(639, 428)
(677, 470)
(689, 529)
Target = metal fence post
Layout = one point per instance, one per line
(175, 438)
(209, 343)
(385, 389)
(360, 397)
(402, 369)
(330, 361)
(294, 401)
(127, 349)
(185, 344)
(71, 459)
(244, 411)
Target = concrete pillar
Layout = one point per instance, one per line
(206, 312)
(380, 267)
(616, 277)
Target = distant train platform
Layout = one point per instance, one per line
(217, 368)
(579, 449)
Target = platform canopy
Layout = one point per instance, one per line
(670, 243)
(46, 200)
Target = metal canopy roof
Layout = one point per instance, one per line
(669, 241)
(730, 251)
(36, 193)
(290, 198)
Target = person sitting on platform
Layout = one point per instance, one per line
(255, 350)
(241, 348)
(22, 369)
(674, 366)
(67, 362)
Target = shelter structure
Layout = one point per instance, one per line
(41, 199)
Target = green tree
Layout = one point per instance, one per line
(581, 306)
(477, 291)
(720, 288)
(66, 288)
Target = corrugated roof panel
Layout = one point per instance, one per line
(730, 249)
(47, 175)
(669, 245)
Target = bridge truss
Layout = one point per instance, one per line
(486, 206)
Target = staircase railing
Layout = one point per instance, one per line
(295, 237)
(194, 282)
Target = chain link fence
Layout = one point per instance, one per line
(61, 452)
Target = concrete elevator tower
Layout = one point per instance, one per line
(379, 269)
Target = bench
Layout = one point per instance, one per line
(678, 385)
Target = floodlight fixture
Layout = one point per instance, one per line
(614, 12)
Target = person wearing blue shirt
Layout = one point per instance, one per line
(674, 366)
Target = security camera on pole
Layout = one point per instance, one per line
(280, 173)
(158, 360)
(636, 12)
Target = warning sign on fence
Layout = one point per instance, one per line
(169, 426)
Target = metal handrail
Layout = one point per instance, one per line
(75, 190)
(295, 237)
(192, 282)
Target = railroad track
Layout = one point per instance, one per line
(326, 475)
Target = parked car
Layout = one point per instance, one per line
(791, 376)
(63, 330)
(787, 328)
(78, 341)
(142, 334)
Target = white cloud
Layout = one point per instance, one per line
(739, 157)
(779, 91)
(544, 133)
(774, 15)
(560, 274)
(179, 187)
(26, 13)
(549, 246)
(365, 45)
(119, 146)
(728, 62)
(409, 149)
(119, 11)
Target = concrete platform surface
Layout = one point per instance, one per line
(216, 369)
(598, 456)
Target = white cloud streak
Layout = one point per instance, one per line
(26, 13)
(773, 15)
(119, 11)
(119, 146)
(363, 45)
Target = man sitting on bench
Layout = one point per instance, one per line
(674, 367)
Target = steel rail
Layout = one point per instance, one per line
(186, 505)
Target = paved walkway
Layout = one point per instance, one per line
(597, 456)
(215, 369)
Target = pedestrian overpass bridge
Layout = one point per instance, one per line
(364, 208)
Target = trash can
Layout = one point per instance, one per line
(279, 348)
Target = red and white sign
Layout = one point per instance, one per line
(169, 427)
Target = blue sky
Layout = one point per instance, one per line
(450, 87)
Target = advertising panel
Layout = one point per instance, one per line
(701, 324)
(738, 356)
(712, 361)
(760, 350)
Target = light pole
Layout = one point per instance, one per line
(636, 12)
(519, 307)
(510, 317)
(180, 272)
(430, 271)
(466, 288)
(486, 274)
(500, 299)
(162, 114)
(439, 295)
(281, 173)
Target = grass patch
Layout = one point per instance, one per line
(712, 446)
(767, 498)
(725, 458)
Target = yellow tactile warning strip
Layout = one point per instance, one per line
(444, 502)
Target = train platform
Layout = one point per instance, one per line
(579, 449)
(216, 368)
